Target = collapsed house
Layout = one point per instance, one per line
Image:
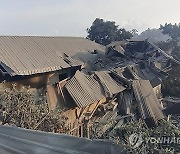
(88, 81)
(140, 66)
(128, 83)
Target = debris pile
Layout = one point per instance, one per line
(122, 85)
(126, 84)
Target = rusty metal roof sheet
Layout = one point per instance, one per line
(148, 103)
(26, 55)
(84, 89)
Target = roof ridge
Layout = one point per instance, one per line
(42, 36)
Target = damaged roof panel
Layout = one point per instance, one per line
(88, 89)
(110, 86)
(84, 90)
(95, 86)
(147, 100)
(145, 74)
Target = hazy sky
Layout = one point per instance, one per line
(72, 17)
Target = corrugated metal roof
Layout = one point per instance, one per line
(84, 89)
(72, 62)
(147, 100)
(16, 140)
(110, 86)
(88, 89)
(26, 55)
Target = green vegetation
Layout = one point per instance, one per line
(20, 108)
(174, 43)
(121, 135)
(105, 32)
(172, 30)
(171, 86)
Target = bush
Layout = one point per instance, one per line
(121, 135)
(19, 108)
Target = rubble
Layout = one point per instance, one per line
(124, 84)
(131, 81)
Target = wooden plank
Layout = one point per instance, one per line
(52, 98)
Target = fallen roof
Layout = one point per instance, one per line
(110, 86)
(135, 72)
(145, 74)
(154, 53)
(88, 89)
(115, 46)
(84, 89)
(26, 55)
(147, 101)
(16, 140)
(141, 50)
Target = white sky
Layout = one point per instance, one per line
(72, 17)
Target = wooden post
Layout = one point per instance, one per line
(88, 136)
(82, 129)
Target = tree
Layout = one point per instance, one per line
(105, 32)
(172, 30)
(122, 34)
(134, 32)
